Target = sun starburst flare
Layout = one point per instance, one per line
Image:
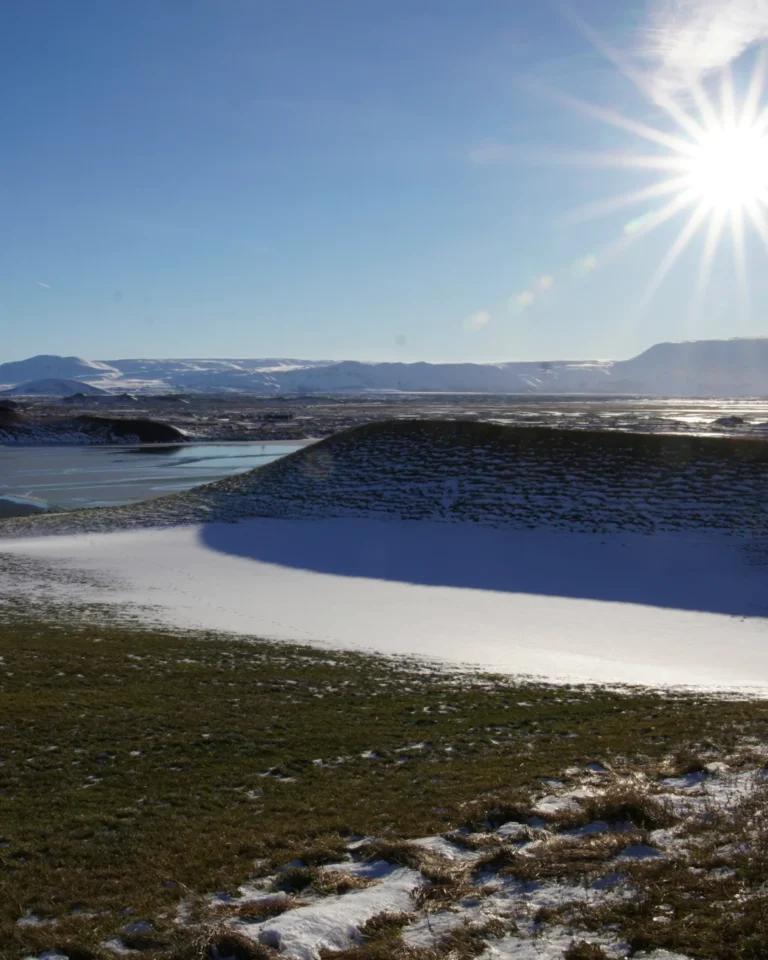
(712, 166)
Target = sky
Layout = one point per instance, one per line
(352, 179)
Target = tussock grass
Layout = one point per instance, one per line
(708, 901)
(315, 856)
(623, 804)
(323, 882)
(683, 763)
(494, 812)
(381, 939)
(501, 860)
(583, 950)
(260, 910)
(400, 852)
(327, 882)
(218, 943)
(570, 859)
(447, 880)
(463, 943)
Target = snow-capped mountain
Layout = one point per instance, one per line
(699, 368)
(47, 366)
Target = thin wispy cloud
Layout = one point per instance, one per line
(689, 38)
(41, 284)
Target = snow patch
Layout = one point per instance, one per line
(334, 923)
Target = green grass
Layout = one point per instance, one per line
(132, 763)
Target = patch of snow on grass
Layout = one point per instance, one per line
(333, 923)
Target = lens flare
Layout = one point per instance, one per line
(713, 166)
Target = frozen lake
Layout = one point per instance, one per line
(105, 476)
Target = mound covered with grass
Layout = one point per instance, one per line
(457, 471)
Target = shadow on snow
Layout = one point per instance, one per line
(686, 571)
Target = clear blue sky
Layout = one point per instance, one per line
(326, 178)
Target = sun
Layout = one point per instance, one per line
(709, 161)
(729, 170)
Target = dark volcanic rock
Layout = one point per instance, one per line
(733, 421)
(132, 430)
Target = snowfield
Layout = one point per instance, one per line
(687, 609)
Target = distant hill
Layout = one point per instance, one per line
(697, 368)
(702, 368)
(45, 366)
(53, 387)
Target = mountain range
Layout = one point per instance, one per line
(699, 368)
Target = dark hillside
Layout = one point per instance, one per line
(492, 475)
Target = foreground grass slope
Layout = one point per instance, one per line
(142, 771)
(484, 473)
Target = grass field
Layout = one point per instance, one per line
(141, 771)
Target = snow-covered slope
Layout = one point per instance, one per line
(702, 368)
(207, 376)
(699, 368)
(53, 387)
(275, 376)
(46, 366)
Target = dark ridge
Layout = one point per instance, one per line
(87, 429)
(141, 430)
(9, 416)
(518, 476)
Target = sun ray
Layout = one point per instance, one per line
(616, 119)
(739, 258)
(704, 105)
(757, 217)
(714, 232)
(727, 99)
(603, 207)
(646, 226)
(652, 92)
(672, 255)
(630, 161)
(605, 158)
(750, 108)
(659, 217)
(760, 126)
